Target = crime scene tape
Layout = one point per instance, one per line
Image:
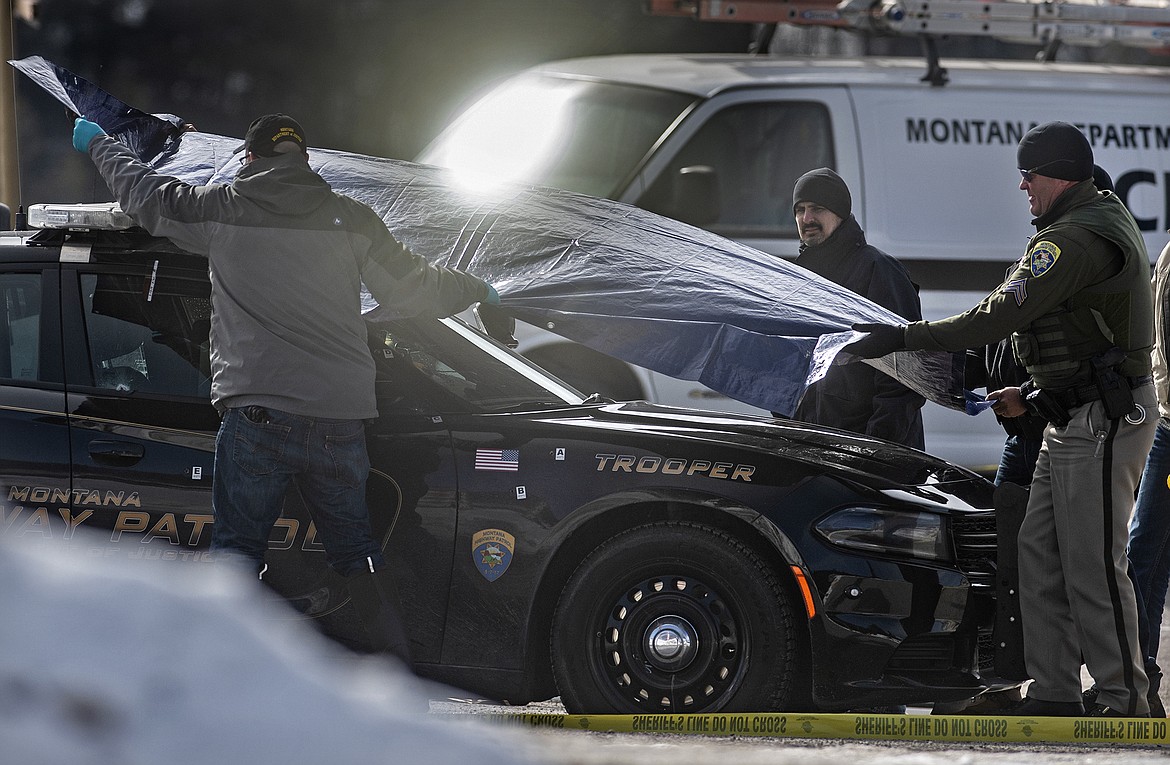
(954, 728)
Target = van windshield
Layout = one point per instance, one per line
(571, 134)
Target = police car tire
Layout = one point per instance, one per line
(658, 580)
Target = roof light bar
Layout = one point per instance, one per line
(86, 217)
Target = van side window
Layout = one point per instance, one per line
(755, 152)
(148, 332)
(20, 323)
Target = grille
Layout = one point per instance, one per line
(924, 653)
(975, 540)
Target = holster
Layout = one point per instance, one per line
(1043, 404)
(1116, 395)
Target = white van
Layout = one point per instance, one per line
(719, 140)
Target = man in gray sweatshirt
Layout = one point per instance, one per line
(292, 374)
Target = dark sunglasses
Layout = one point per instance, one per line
(1030, 175)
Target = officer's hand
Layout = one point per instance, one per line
(1009, 402)
(493, 297)
(84, 131)
(497, 323)
(881, 340)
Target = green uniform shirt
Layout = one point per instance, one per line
(1087, 253)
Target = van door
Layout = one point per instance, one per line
(752, 145)
(729, 167)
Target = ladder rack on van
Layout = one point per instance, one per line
(1047, 23)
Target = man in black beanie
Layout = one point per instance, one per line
(1079, 309)
(854, 397)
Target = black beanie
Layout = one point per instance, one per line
(1101, 179)
(825, 188)
(1056, 150)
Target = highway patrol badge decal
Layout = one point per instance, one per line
(1043, 257)
(491, 551)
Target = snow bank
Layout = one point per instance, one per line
(117, 662)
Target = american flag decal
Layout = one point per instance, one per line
(497, 459)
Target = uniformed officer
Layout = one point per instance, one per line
(1079, 309)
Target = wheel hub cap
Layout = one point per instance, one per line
(670, 643)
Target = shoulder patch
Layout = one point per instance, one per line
(1043, 257)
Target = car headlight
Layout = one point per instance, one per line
(895, 532)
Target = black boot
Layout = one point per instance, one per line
(1154, 675)
(1030, 707)
(376, 600)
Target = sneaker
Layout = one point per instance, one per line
(995, 702)
(990, 703)
(1157, 709)
(950, 707)
(1089, 695)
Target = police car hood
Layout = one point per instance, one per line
(870, 461)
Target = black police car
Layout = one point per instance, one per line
(630, 557)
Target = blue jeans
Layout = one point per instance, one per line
(259, 453)
(1018, 462)
(1149, 535)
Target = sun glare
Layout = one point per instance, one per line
(507, 137)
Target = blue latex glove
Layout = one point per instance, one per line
(493, 297)
(84, 132)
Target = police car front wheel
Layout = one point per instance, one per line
(674, 618)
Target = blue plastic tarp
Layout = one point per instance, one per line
(629, 283)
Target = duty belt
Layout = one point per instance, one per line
(1071, 398)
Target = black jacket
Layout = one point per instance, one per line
(857, 397)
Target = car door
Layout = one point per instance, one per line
(142, 430)
(412, 492)
(412, 495)
(34, 445)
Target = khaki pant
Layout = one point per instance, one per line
(1076, 599)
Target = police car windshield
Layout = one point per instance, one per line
(457, 369)
(571, 134)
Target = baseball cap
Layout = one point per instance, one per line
(266, 132)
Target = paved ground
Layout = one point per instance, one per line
(570, 747)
